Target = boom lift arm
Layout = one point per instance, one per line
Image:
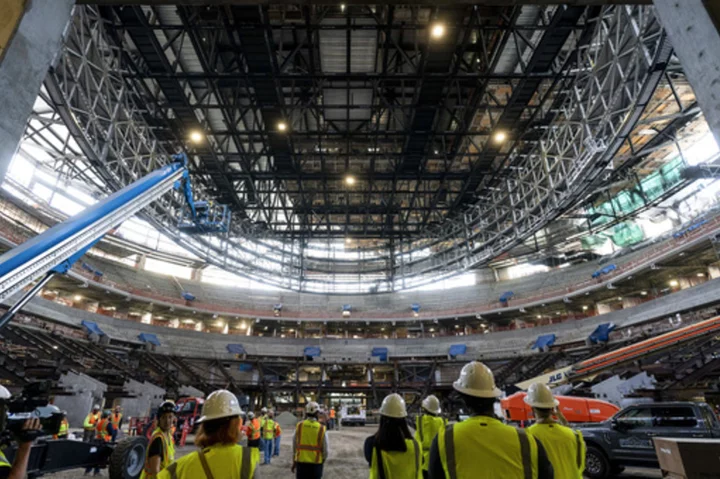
(57, 249)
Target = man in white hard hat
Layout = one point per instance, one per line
(18, 468)
(565, 448)
(261, 420)
(219, 456)
(482, 447)
(427, 425)
(310, 445)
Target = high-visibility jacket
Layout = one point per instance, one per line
(332, 414)
(3, 460)
(254, 429)
(90, 421)
(398, 465)
(168, 453)
(268, 429)
(309, 440)
(64, 428)
(565, 448)
(482, 447)
(227, 461)
(426, 428)
(278, 431)
(101, 431)
(116, 418)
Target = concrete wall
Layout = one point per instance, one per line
(145, 397)
(85, 392)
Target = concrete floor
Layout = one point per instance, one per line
(346, 459)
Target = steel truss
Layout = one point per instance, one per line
(441, 213)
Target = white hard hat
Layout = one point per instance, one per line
(312, 407)
(477, 380)
(220, 404)
(264, 410)
(251, 415)
(97, 406)
(393, 406)
(4, 393)
(540, 396)
(431, 404)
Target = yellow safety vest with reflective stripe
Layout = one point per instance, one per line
(64, 428)
(398, 465)
(482, 447)
(227, 461)
(90, 421)
(268, 429)
(309, 439)
(565, 448)
(426, 428)
(3, 460)
(116, 418)
(168, 452)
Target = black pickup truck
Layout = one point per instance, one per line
(627, 438)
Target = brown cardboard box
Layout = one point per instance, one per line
(686, 458)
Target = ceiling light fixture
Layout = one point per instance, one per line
(701, 275)
(350, 180)
(674, 283)
(77, 297)
(342, 7)
(282, 126)
(438, 30)
(500, 137)
(643, 293)
(196, 136)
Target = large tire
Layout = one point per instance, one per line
(128, 458)
(597, 465)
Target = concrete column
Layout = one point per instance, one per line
(25, 63)
(140, 261)
(696, 40)
(196, 274)
(630, 302)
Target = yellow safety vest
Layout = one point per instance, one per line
(565, 448)
(426, 428)
(3, 460)
(116, 418)
(64, 427)
(228, 461)
(482, 447)
(90, 421)
(309, 439)
(168, 452)
(268, 429)
(398, 465)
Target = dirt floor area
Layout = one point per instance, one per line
(346, 459)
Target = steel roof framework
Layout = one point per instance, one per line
(132, 82)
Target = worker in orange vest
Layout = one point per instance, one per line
(103, 432)
(332, 418)
(89, 425)
(116, 420)
(253, 430)
(276, 445)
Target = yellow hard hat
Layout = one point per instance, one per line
(431, 404)
(477, 380)
(219, 404)
(540, 396)
(393, 406)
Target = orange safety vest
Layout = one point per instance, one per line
(255, 429)
(101, 431)
(116, 418)
(278, 431)
(332, 414)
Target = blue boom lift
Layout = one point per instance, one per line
(57, 249)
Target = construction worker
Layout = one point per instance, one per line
(263, 416)
(278, 434)
(310, 445)
(482, 447)
(253, 431)
(18, 468)
(64, 428)
(392, 453)
(268, 436)
(427, 425)
(103, 433)
(565, 448)
(161, 449)
(331, 422)
(219, 456)
(89, 425)
(116, 420)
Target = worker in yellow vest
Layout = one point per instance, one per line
(261, 420)
(161, 450)
(482, 446)
(116, 419)
(18, 468)
(64, 429)
(219, 457)
(253, 430)
(103, 433)
(310, 445)
(89, 425)
(268, 436)
(565, 448)
(427, 426)
(391, 452)
(278, 434)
